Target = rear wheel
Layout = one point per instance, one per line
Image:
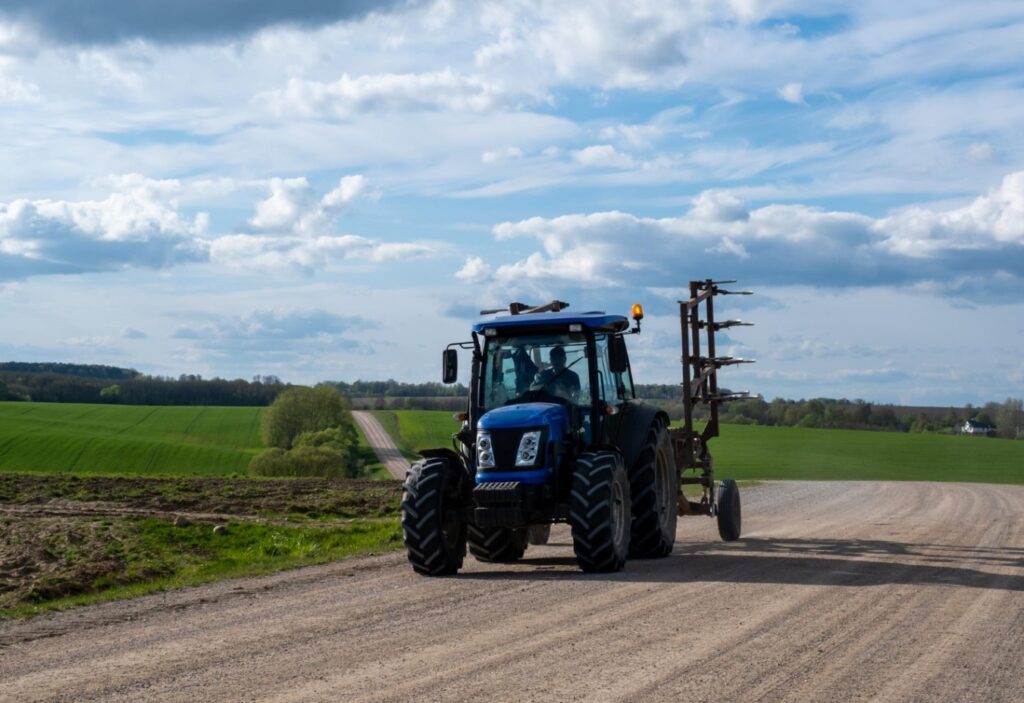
(538, 534)
(729, 514)
(600, 512)
(497, 544)
(654, 487)
(435, 537)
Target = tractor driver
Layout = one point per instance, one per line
(558, 380)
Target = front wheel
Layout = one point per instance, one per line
(435, 536)
(729, 514)
(600, 512)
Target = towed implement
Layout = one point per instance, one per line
(553, 432)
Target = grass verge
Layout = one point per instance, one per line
(88, 560)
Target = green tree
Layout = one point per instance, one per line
(310, 432)
(304, 409)
(1010, 418)
(111, 393)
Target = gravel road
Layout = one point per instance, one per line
(838, 592)
(382, 444)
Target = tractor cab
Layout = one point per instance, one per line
(572, 367)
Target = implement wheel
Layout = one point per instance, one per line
(435, 537)
(654, 487)
(599, 512)
(729, 514)
(503, 545)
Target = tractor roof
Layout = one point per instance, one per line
(595, 320)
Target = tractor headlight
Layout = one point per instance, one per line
(484, 450)
(529, 446)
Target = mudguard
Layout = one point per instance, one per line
(627, 430)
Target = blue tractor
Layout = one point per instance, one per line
(553, 432)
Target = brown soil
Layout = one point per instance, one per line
(220, 496)
(837, 592)
(54, 540)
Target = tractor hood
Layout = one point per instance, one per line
(550, 415)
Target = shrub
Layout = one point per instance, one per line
(302, 409)
(320, 462)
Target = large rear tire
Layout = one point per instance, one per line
(729, 513)
(600, 512)
(654, 488)
(538, 534)
(435, 536)
(503, 545)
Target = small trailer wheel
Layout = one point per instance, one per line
(729, 513)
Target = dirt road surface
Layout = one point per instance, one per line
(382, 444)
(838, 592)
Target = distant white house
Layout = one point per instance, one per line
(973, 427)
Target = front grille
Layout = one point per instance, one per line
(506, 444)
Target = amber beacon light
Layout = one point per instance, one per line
(638, 311)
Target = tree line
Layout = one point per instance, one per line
(54, 383)
(1007, 417)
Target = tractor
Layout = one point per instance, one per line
(553, 433)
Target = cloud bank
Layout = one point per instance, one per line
(776, 244)
(183, 21)
(142, 225)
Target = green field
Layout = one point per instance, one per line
(132, 439)
(752, 453)
(413, 430)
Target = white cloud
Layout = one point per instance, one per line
(792, 93)
(602, 156)
(293, 207)
(996, 218)
(141, 224)
(307, 254)
(497, 155)
(777, 244)
(386, 92)
(138, 225)
(475, 270)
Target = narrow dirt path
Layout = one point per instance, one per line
(382, 444)
(838, 592)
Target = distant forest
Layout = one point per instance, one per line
(81, 383)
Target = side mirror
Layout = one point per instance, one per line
(618, 361)
(450, 365)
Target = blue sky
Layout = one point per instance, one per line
(324, 190)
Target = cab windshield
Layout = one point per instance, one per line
(536, 368)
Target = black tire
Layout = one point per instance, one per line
(503, 545)
(538, 534)
(729, 513)
(654, 491)
(435, 536)
(599, 512)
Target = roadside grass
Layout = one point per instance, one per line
(414, 430)
(105, 559)
(755, 453)
(130, 439)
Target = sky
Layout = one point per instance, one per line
(333, 190)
